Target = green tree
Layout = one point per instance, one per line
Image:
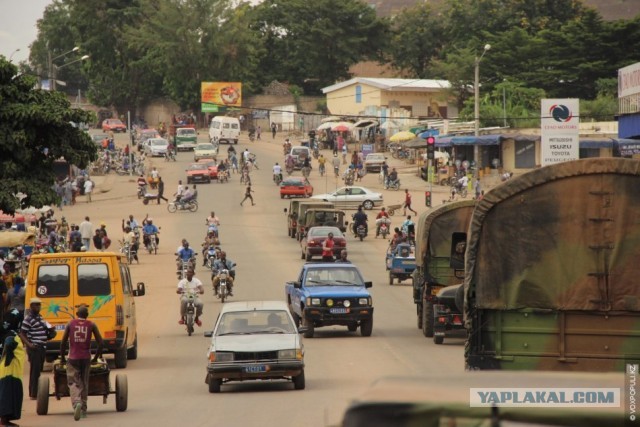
(35, 131)
(317, 41)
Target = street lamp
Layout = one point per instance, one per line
(51, 66)
(56, 68)
(13, 53)
(476, 88)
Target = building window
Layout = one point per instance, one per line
(358, 94)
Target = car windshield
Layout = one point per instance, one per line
(186, 132)
(197, 167)
(341, 276)
(255, 322)
(204, 147)
(115, 122)
(375, 157)
(158, 142)
(293, 183)
(324, 231)
(298, 151)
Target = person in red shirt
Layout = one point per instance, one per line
(407, 203)
(382, 218)
(78, 334)
(327, 248)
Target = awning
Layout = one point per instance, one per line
(466, 140)
(415, 143)
(365, 123)
(596, 143)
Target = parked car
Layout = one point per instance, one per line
(212, 166)
(352, 197)
(98, 138)
(198, 172)
(144, 135)
(114, 125)
(156, 147)
(373, 162)
(255, 340)
(295, 186)
(205, 151)
(311, 243)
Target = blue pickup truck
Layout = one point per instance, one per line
(330, 294)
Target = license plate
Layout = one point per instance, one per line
(338, 310)
(256, 369)
(60, 327)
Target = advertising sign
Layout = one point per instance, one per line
(215, 95)
(560, 123)
(629, 80)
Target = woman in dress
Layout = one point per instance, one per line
(11, 367)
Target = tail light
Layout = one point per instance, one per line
(457, 320)
(119, 315)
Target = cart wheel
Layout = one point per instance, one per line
(391, 212)
(42, 407)
(122, 392)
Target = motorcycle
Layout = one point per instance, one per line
(129, 252)
(185, 265)
(223, 176)
(383, 227)
(252, 136)
(212, 255)
(142, 190)
(392, 185)
(289, 170)
(189, 205)
(223, 290)
(277, 178)
(316, 151)
(170, 155)
(361, 232)
(349, 177)
(150, 243)
(190, 313)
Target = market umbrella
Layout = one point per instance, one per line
(402, 136)
(333, 119)
(340, 128)
(327, 125)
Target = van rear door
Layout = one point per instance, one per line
(96, 288)
(53, 287)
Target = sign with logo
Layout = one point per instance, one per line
(366, 149)
(215, 95)
(560, 125)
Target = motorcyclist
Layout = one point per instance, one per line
(290, 163)
(185, 253)
(187, 196)
(210, 240)
(212, 220)
(382, 218)
(336, 165)
(190, 283)
(277, 172)
(131, 239)
(360, 218)
(408, 228)
(393, 177)
(142, 182)
(222, 263)
(149, 230)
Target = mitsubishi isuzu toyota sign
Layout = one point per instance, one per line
(560, 122)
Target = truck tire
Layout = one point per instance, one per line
(390, 279)
(214, 385)
(427, 319)
(438, 340)
(132, 353)
(298, 381)
(120, 358)
(310, 329)
(460, 299)
(366, 327)
(419, 315)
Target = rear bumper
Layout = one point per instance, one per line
(239, 371)
(321, 316)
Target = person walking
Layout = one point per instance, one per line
(477, 188)
(77, 335)
(34, 335)
(88, 188)
(11, 368)
(247, 195)
(407, 202)
(161, 190)
(258, 132)
(97, 240)
(274, 129)
(86, 233)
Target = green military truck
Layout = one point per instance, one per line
(552, 270)
(440, 235)
(185, 137)
(297, 212)
(327, 216)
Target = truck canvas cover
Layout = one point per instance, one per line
(552, 267)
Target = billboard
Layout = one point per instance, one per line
(560, 126)
(215, 95)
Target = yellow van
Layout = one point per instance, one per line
(99, 279)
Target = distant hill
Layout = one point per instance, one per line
(610, 10)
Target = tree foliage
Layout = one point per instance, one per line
(35, 131)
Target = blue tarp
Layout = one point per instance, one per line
(627, 147)
(448, 141)
(596, 143)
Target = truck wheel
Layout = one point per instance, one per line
(352, 327)
(132, 353)
(298, 381)
(122, 393)
(310, 329)
(301, 255)
(308, 257)
(42, 407)
(438, 340)
(214, 385)
(390, 279)
(427, 319)
(366, 327)
(419, 315)
(121, 358)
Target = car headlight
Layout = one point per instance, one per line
(221, 356)
(364, 301)
(347, 303)
(329, 302)
(313, 301)
(287, 354)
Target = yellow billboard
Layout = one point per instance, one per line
(220, 94)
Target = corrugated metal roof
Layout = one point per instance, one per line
(391, 84)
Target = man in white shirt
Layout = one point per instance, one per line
(154, 173)
(86, 233)
(464, 181)
(190, 284)
(88, 188)
(277, 172)
(179, 191)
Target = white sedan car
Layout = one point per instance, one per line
(352, 197)
(156, 147)
(205, 151)
(255, 340)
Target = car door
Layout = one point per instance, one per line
(358, 196)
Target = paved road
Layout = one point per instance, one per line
(166, 383)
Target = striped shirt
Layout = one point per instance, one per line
(35, 329)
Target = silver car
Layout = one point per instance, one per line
(255, 340)
(351, 198)
(373, 162)
(156, 147)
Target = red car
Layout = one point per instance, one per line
(114, 125)
(295, 186)
(212, 166)
(311, 243)
(197, 172)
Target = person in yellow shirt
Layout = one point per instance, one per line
(11, 368)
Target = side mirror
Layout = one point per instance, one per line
(302, 329)
(208, 334)
(140, 290)
(297, 285)
(368, 284)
